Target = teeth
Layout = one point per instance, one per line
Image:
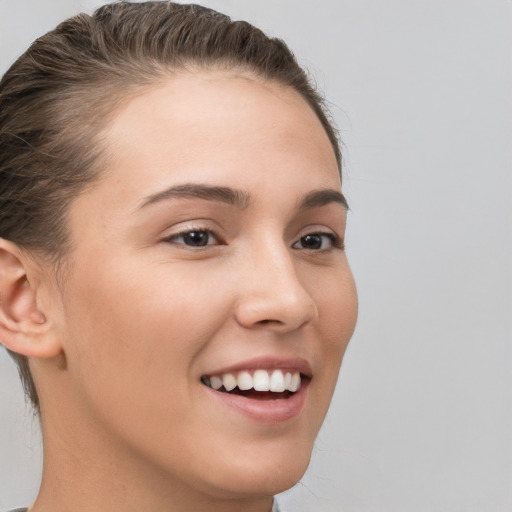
(244, 381)
(262, 380)
(277, 382)
(216, 382)
(295, 384)
(229, 381)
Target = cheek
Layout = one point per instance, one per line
(341, 308)
(336, 300)
(337, 315)
(136, 335)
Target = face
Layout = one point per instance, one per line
(210, 253)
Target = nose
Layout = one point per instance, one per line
(272, 294)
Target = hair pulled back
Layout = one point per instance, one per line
(61, 92)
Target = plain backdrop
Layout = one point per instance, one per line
(422, 93)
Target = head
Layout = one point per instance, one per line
(171, 215)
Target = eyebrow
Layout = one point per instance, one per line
(198, 191)
(323, 197)
(238, 198)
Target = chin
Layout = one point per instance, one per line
(266, 472)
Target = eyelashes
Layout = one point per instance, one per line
(318, 242)
(201, 238)
(195, 238)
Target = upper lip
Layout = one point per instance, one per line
(296, 364)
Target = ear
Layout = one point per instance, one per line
(24, 326)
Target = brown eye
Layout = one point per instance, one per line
(311, 241)
(317, 242)
(194, 238)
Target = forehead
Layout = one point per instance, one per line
(216, 109)
(213, 128)
(195, 99)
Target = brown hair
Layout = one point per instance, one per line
(58, 95)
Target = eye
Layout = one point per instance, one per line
(194, 238)
(318, 242)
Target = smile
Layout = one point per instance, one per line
(246, 382)
(265, 390)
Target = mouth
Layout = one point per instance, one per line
(265, 390)
(260, 384)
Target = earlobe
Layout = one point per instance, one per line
(24, 327)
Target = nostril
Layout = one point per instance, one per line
(270, 321)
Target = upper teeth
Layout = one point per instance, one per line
(261, 380)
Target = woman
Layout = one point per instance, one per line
(173, 284)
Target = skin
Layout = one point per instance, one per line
(139, 315)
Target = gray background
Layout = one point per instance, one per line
(421, 90)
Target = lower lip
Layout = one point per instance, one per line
(265, 411)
